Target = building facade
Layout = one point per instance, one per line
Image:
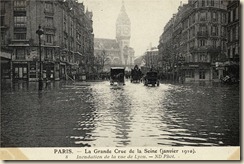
(118, 51)
(232, 64)
(66, 45)
(165, 49)
(199, 40)
(107, 53)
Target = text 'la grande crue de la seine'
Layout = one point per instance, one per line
(125, 154)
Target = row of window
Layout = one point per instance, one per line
(232, 51)
(203, 16)
(49, 22)
(20, 72)
(49, 7)
(233, 15)
(203, 31)
(48, 54)
(233, 34)
(22, 36)
(71, 28)
(19, 5)
(19, 36)
(20, 21)
(199, 58)
(203, 42)
(204, 3)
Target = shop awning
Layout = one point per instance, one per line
(5, 55)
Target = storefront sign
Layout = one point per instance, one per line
(5, 55)
(33, 55)
(194, 66)
(16, 62)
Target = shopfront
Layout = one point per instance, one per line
(48, 71)
(5, 69)
(56, 71)
(62, 71)
(20, 70)
(5, 61)
(196, 72)
(33, 71)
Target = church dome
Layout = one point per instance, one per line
(123, 17)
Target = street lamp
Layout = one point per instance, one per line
(40, 32)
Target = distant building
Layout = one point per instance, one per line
(117, 50)
(140, 61)
(151, 58)
(66, 46)
(107, 53)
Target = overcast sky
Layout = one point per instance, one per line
(148, 18)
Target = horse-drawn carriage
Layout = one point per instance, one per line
(117, 75)
(136, 75)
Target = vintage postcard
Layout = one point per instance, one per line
(120, 79)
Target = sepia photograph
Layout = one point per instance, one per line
(83, 76)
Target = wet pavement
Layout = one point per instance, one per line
(99, 115)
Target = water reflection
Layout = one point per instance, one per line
(100, 115)
(122, 116)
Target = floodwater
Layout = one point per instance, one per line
(99, 115)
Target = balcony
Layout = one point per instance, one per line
(20, 12)
(202, 34)
(214, 34)
(20, 27)
(49, 13)
(49, 59)
(49, 28)
(214, 49)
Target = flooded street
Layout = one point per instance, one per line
(100, 115)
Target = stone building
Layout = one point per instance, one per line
(107, 53)
(199, 40)
(233, 39)
(66, 45)
(118, 50)
(165, 48)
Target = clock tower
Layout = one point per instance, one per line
(123, 33)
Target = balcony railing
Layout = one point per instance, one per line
(48, 12)
(49, 28)
(48, 59)
(202, 34)
(214, 34)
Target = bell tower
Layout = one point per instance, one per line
(123, 33)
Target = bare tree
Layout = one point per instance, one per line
(102, 59)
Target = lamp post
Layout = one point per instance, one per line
(40, 32)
